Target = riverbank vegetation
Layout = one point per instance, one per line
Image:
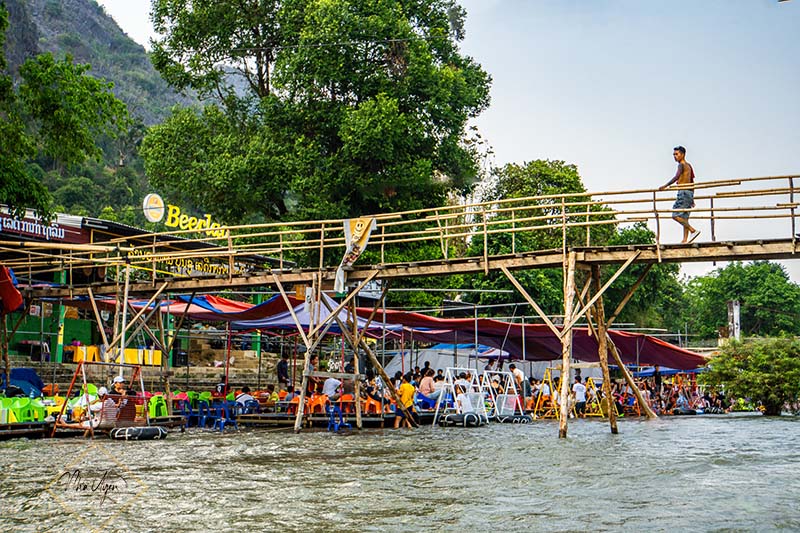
(767, 371)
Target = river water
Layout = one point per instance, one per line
(705, 473)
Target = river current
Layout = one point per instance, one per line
(705, 473)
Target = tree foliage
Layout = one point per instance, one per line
(319, 109)
(770, 301)
(57, 112)
(766, 371)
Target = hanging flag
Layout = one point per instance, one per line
(10, 297)
(356, 236)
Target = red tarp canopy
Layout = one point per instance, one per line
(541, 344)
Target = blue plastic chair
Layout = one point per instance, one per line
(226, 415)
(336, 420)
(206, 414)
(186, 411)
(423, 402)
(251, 407)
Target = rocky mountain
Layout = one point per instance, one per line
(83, 29)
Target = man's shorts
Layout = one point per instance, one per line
(684, 201)
(580, 407)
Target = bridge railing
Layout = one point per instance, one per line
(511, 225)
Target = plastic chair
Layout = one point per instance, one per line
(226, 415)
(157, 407)
(371, 406)
(205, 396)
(190, 416)
(251, 407)
(318, 404)
(21, 407)
(282, 394)
(423, 402)
(207, 414)
(193, 398)
(336, 421)
(347, 403)
(292, 407)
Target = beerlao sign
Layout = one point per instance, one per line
(155, 210)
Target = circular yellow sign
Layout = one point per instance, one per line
(153, 207)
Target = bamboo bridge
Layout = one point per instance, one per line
(308, 253)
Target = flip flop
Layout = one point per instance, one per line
(693, 237)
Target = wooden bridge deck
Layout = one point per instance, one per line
(601, 255)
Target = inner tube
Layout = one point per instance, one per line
(139, 433)
(684, 411)
(513, 419)
(467, 420)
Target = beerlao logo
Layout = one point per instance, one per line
(155, 210)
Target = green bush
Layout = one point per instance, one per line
(767, 371)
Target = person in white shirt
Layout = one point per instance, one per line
(331, 389)
(462, 401)
(244, 396)
(579, 390)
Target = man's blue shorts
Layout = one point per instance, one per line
(684, 201)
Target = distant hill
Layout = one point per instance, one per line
(82, 28)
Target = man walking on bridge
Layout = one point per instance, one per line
(685, 199)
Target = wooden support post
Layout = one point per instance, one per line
(792, 210)
(566, 345)
(531, 301)
(374, 361)
(602, 343)
(164, 363)
(612, 349)
(356, 365)
(98, 318)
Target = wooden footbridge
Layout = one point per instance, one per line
(308, 253)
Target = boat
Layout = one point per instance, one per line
(138, 433)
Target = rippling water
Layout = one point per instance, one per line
(685, 473)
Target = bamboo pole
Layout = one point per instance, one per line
(629, 379)
(356, 366)
(566, 346)
(602, 343)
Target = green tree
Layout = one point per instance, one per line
(19, 187)
(320, 109)
(766, 371)
(770, 301)
(534, 178)
(658, 301)
(57, 112)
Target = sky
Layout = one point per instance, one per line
(613, 85)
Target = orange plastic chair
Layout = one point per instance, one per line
(282, 394)
(371, 406)
(348, 403)
(318, 403)
(293, 403)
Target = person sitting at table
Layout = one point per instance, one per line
(244, 396)
(290, 394)
(331, 389)
(107, 416)
(272, 395)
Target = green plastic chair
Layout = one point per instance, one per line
(193, 398)
(38, 410)
(21, 407)
(205, 397)
(91, 387)
(231, 397)
(157, 407)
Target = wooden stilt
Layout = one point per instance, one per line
(612, 349)
(602, 342)
(356, 366)
(566, 345)
(375, 363)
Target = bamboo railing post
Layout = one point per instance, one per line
(383, 244)
(588, 228)
(566, 346)
(602, 346)
(356, 366)
(713, 223)
(485, 244)
(792, 211)
(658, 227)
(513, 232)
(280, 250)
(321, 246)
